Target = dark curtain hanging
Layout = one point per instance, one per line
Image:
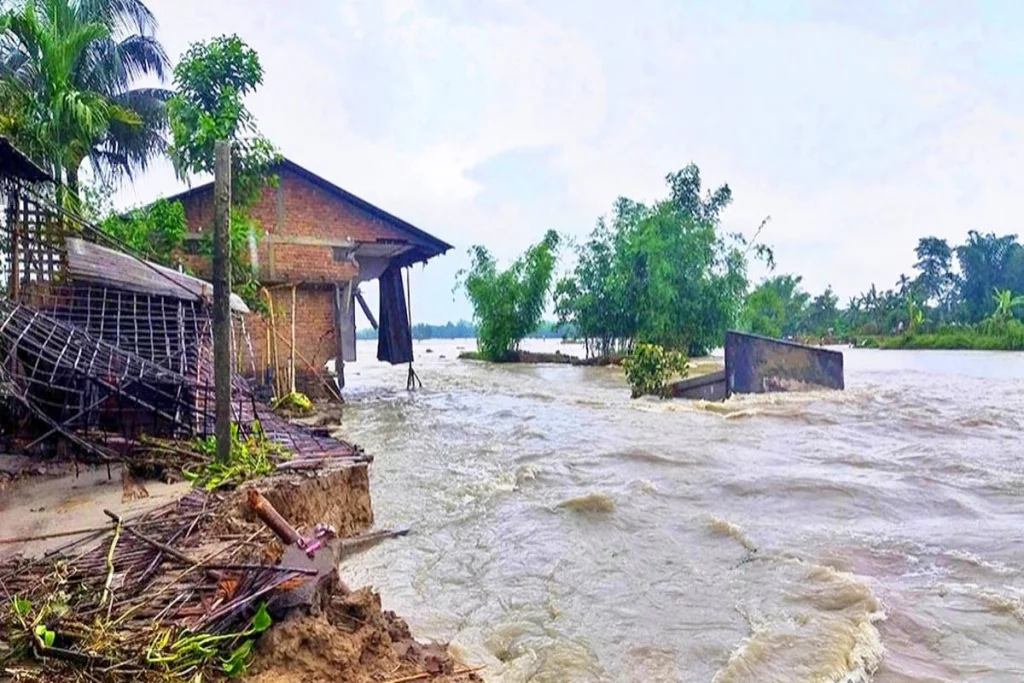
(394, 337)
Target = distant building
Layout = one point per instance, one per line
(323, 241)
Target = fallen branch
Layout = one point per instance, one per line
(107, 597)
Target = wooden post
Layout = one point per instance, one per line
(413, 378)
(222, 297)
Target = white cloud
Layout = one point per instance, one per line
(857, 136)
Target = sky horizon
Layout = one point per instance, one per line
(858, 129)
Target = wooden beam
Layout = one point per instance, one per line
(366, 309)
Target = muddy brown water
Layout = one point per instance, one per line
(566, 533)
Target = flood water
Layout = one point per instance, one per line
(563, 532)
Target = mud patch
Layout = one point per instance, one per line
(339, 497)
(352, 639)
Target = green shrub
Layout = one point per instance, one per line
(650, 367)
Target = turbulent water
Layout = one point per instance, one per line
(566, 533)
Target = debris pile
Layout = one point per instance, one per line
(146, 598)
(186, 592)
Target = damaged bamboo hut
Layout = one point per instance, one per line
(99, 347)
(319, 244)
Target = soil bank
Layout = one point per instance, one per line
(347, 636)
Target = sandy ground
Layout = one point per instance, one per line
(38, 505)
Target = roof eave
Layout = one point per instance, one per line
(422, 238)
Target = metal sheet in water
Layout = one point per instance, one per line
(757, 365)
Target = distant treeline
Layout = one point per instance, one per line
(467, 330)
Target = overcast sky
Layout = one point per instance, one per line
(858, 126)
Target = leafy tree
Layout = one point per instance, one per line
(903, 284)
(68, 86)
(823, 315)
(984, 266)
(776, 307)
(212, 80)
(650, 367)
(934, 266)
(508, 304)
(663, 273)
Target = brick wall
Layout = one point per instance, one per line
(296, 209)
(314, 332)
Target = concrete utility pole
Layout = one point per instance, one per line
(222, 296)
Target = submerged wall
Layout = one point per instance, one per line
(755, 365)
(710, 387)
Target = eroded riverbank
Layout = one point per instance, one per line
(568, 533)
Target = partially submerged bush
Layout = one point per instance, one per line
(650, 367)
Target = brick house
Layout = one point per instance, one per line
(319, 243)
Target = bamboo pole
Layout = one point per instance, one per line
(333, 390)
(266, 351)
(413, 378)
(291, 360)
(273, 335)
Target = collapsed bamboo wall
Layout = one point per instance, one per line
(98, 366)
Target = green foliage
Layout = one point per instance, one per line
(508, 304)
(212, 80)
(294, 402)
(1009, 337)
(1005, 302)
(155, 231)
(68, 73)
(35, 624)
(45, 636)
(663, 273)
(251, 457)
(194, 651)
(915, 316)
(934, 265)
(987, 263)
(649, 368)
(777, 307)
(823, 314)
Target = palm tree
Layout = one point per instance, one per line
(67, 71)
(903, 284)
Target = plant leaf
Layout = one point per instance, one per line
(261, 621)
